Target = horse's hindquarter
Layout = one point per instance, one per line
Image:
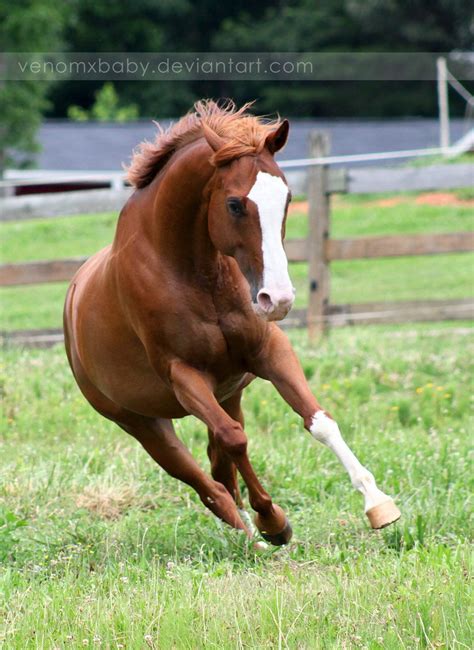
(104, 350)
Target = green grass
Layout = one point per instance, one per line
(425, 161)
(359, 215)
(161, 573)
(446, 276)
(466, 193)
(54, 238)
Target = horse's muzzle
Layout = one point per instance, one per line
(274, 305)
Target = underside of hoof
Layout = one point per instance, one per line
(383, 515)
(278, 539)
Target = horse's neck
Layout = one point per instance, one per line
(172, 212)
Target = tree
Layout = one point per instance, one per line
(148, 26)
(106, 108)
(25, 26)
(348, 26)
(138, 26)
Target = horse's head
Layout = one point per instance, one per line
(247, 215)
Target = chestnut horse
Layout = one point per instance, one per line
(176, 317)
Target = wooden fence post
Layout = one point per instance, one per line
(318, 213)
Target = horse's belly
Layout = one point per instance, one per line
(140, 390)
(153, 399)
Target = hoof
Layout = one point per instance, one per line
(278, 539)
(383, 515)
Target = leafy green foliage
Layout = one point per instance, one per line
(348, 26)
(106, 108)
(147, 26)
(25, 26)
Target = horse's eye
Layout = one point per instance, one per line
(235, 206)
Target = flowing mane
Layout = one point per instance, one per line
(239, 132)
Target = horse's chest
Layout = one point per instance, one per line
(199, 342)
(217, 348)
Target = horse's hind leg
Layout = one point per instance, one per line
(160, 441)
(265, 517)
(223, 468)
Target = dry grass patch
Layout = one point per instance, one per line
(110, 502)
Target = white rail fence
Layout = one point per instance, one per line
(354, 180)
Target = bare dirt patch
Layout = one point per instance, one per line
(298, 206)
(427, 198)
(442, 198)
(388, 203)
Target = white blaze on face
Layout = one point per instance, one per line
(270, 194)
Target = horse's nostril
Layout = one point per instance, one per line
(264, 300)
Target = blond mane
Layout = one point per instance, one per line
(240, 132)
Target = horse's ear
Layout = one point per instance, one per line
(277, 139)
(213, 140)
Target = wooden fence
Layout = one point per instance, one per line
(319, 249)
(322, 250)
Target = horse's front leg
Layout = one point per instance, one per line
(194, 391)
(278, 363)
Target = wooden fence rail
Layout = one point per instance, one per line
(319, 250)
(297, 250)
(399, 245)
(336, 316)
(39, 272)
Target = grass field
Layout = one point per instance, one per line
(99, 548)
